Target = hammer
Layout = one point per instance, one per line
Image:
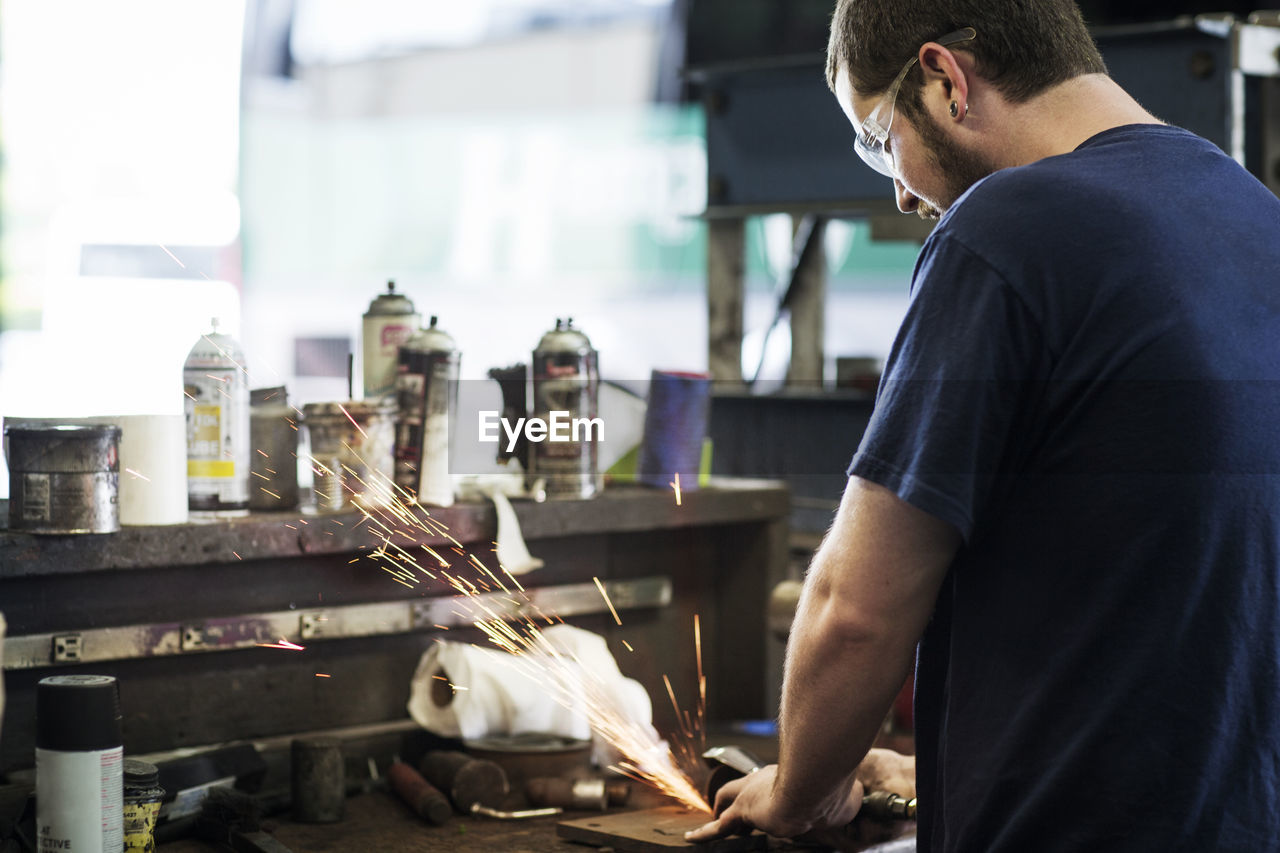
(732, 762)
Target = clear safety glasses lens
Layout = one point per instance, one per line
(871, 150)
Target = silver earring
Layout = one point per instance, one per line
(955, 109)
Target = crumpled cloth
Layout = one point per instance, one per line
(498, 693)
(513, 553)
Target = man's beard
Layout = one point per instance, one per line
(960, 169)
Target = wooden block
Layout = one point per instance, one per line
(653, 831)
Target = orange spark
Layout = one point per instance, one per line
(283, 644)
(605, 595)
(353, 421)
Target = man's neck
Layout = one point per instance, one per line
(1059, 120)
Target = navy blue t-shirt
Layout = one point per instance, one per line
(1087, 386)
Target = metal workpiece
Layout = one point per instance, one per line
(340, 622)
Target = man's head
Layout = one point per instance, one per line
(1018, 48)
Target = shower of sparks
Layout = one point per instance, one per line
(676, 485)
(138, 475)
(283, 644)
(605, 596)
(493, 601)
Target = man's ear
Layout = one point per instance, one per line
(946, 81)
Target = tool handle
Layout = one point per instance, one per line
(887, 806)
(424, 798)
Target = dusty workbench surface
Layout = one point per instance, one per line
(378, 821)
(273, 535)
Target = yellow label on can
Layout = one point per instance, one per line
(211, 468)
(139, 826)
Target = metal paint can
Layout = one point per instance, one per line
(273, 465)
(142, 798)
(63, 478)
(216, 387)
(426, 397)
(566, 387)
(352, 452)
(79, 764)
(390, 321)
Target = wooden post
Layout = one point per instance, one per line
(808, 315)
(725, 251)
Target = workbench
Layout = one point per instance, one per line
(175, 612)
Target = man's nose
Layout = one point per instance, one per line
(907, 203)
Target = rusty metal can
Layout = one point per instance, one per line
(566, 387)
(273, 432)
(426, 397)
(63, 478)
(352, 446)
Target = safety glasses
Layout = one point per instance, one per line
(874, 133)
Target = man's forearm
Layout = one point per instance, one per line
(867, 597)
(840, 682)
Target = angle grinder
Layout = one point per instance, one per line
(733, 762)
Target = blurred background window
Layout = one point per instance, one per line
(274, 162)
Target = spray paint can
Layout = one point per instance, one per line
(217, 406)
(79, 764)
(426, 397)
(390, 321)
(566, 387)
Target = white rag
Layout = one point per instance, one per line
(497, 693)
(513, 553)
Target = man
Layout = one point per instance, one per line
(1069, 493)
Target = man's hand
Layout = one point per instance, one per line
(749, 803)
(886, 770)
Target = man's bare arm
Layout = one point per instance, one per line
(867, 597)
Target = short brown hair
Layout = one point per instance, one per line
(1023, 46)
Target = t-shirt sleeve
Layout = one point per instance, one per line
(959, 385)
